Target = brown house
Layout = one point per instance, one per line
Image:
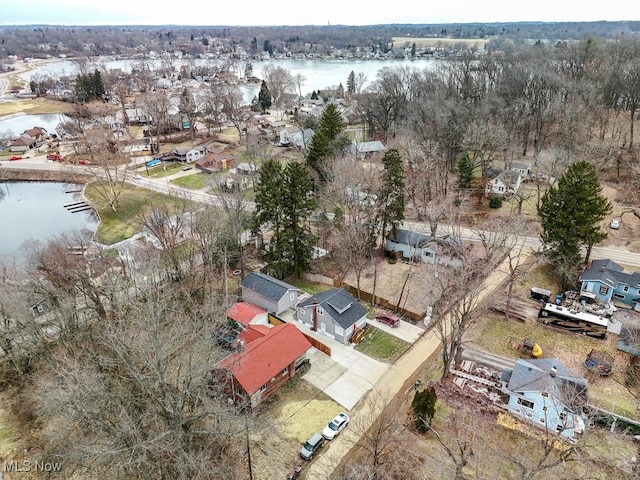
(260, 367)
(39, 133)
(216, 160)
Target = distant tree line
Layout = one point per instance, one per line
(108, 40)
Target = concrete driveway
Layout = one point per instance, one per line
(405, 331)
(347, 375)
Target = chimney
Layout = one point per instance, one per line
(553, 372)
(314, 327)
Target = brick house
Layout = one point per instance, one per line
(260, 367)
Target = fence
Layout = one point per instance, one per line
(318, 344)
(364, 296)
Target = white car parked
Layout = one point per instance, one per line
(615, 224)
(335, 426)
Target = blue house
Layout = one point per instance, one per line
(609, 283)
(546, 393)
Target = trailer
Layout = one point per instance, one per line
(573, 320)
(540, 294)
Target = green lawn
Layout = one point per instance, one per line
(381, 345)
(195, 182)
(127, 220)
(309, 287)
(164, 170)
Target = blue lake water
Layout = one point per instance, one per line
(35, 211)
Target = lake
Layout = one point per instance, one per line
(12, 126)
(320, 74)
(35, 210)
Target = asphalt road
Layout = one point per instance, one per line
(162, 185)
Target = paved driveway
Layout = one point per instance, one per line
(405, 331)
(347, 375)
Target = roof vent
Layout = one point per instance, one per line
(553, 372)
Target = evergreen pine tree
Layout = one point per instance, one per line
(299, 203)
(391, 199)
(327, 140)
(351, 83)
(424, 408)
(464, 168)
(284, 201)
(264, 97)
(571, 212)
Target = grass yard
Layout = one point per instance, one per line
(164, 170)
(309, 287)
(195, 182)
(381, 345)
(35, 106)
(499, 336)
(122, 224)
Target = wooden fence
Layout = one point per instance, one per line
(318, 344)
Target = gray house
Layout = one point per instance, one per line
(423, 248)
(335, 313)
(269, 293)
(546, 393)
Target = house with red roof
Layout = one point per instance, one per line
(245, 314)
(261, 366)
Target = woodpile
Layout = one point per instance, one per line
(519, 309)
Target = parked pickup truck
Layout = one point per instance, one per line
(55, 157)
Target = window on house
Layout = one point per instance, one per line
(263, 387)
(604, 290)
(625, 288)
(339, 330)
(559, 428)
(292, 296)
(319, 310)
(285, 370)
(545, 394)
(526, 403)
(618, 296)
(563, 416)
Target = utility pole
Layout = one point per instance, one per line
(246, 430)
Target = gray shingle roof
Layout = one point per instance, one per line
(610, 273)
(340, 305)
(267, 286)
(535, 376)
(407, 237)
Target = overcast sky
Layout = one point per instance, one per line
(296, 12)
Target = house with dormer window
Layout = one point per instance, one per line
(334, 313)
(610, 283)
(547, 394)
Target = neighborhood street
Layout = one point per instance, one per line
(163, 185)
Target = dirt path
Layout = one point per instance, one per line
(397, 380)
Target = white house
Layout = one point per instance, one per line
(188, 154)
(523, 168)
(504, 183)
(294, 136)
